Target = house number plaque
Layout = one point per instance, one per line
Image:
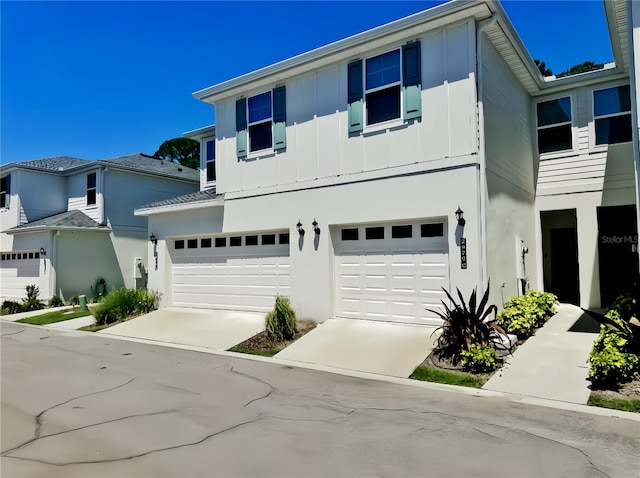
(463, 253)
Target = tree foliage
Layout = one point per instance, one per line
(180, 150)
(581, 68)
(543, 67)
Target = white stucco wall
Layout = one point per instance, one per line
(318, 143)
(509, 177)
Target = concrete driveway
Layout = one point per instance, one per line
(366, 346)
(214, 329)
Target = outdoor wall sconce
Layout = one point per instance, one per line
(43, 252)
(316, 229)
(153, 239)
(300, 228)
(459, 216)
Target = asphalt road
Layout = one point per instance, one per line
(79, 405)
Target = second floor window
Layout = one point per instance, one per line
(612, 115)
(5, 194)
(91, 189)
(554, 125)
(259, 114)
(210, 159)
(382, 87)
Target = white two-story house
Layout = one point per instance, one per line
(362, 177)
(67, 224)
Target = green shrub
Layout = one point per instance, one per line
(55, 301)
(124, 303)
(611, 364)
(75, 300)
(465, 326)
(480, 359)
(11, 307)
(523, 315)
(280, 324)
(31, 302)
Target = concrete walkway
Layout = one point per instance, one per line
(552, 364)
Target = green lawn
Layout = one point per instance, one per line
(624, 404)
(436, 375)
(246, 350)
(56, 316)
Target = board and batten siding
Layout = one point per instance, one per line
(318, 142)
(77, 188)
(586, 167)
(509, 176)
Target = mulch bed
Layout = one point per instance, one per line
(445, 363)
(261, 342)
(626, 390)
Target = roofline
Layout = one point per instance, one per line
(200, 133)
(325, 51)
(149, 211)
(27, 229)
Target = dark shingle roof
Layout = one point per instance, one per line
(200, 196)
(73, 218)
(57, 163)
(149, 164)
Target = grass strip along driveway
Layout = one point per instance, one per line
(52, 317)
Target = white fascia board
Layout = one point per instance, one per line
(200, 133)
(614, 33)
(57, 228)
(349, 47)
(589, 78)
(178, 207)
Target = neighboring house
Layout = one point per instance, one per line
(66, 223)
(334, 177)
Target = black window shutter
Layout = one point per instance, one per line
(411, 68)
(279, 104)
(354, 90)
(241, 114)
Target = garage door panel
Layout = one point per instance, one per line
(394, 279)
(238, 278)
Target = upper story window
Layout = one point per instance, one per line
(612, 115)
(5, 193)
(382, 87)
(210, 159)
(91, 189)
(259, 113)
(261, 122)
(385, 87)
(554, 125)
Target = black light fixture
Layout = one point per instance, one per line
(43, 252)
(316, 229)
(153, 239)
(299, 228)
(459, 216)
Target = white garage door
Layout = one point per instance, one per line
(242, 272)
(17, 271)
(391, 272)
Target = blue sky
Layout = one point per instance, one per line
(100, 79)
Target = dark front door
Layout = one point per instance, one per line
(564, 265)
(617, 251)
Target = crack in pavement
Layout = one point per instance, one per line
(13, 333)
(485, 433)
(131, 457)
(39, 416)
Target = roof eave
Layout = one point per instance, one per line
(28, 230)
(149, 211)
(200, 133)
(435, 17)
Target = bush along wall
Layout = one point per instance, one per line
(523, 315)
(614, 358)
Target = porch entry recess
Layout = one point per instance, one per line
(236, 272)
(391, 272)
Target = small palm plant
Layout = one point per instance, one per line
(467, 327)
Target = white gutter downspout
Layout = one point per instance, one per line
(482, 179)
(634, 109)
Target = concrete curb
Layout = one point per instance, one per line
(475, 392)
